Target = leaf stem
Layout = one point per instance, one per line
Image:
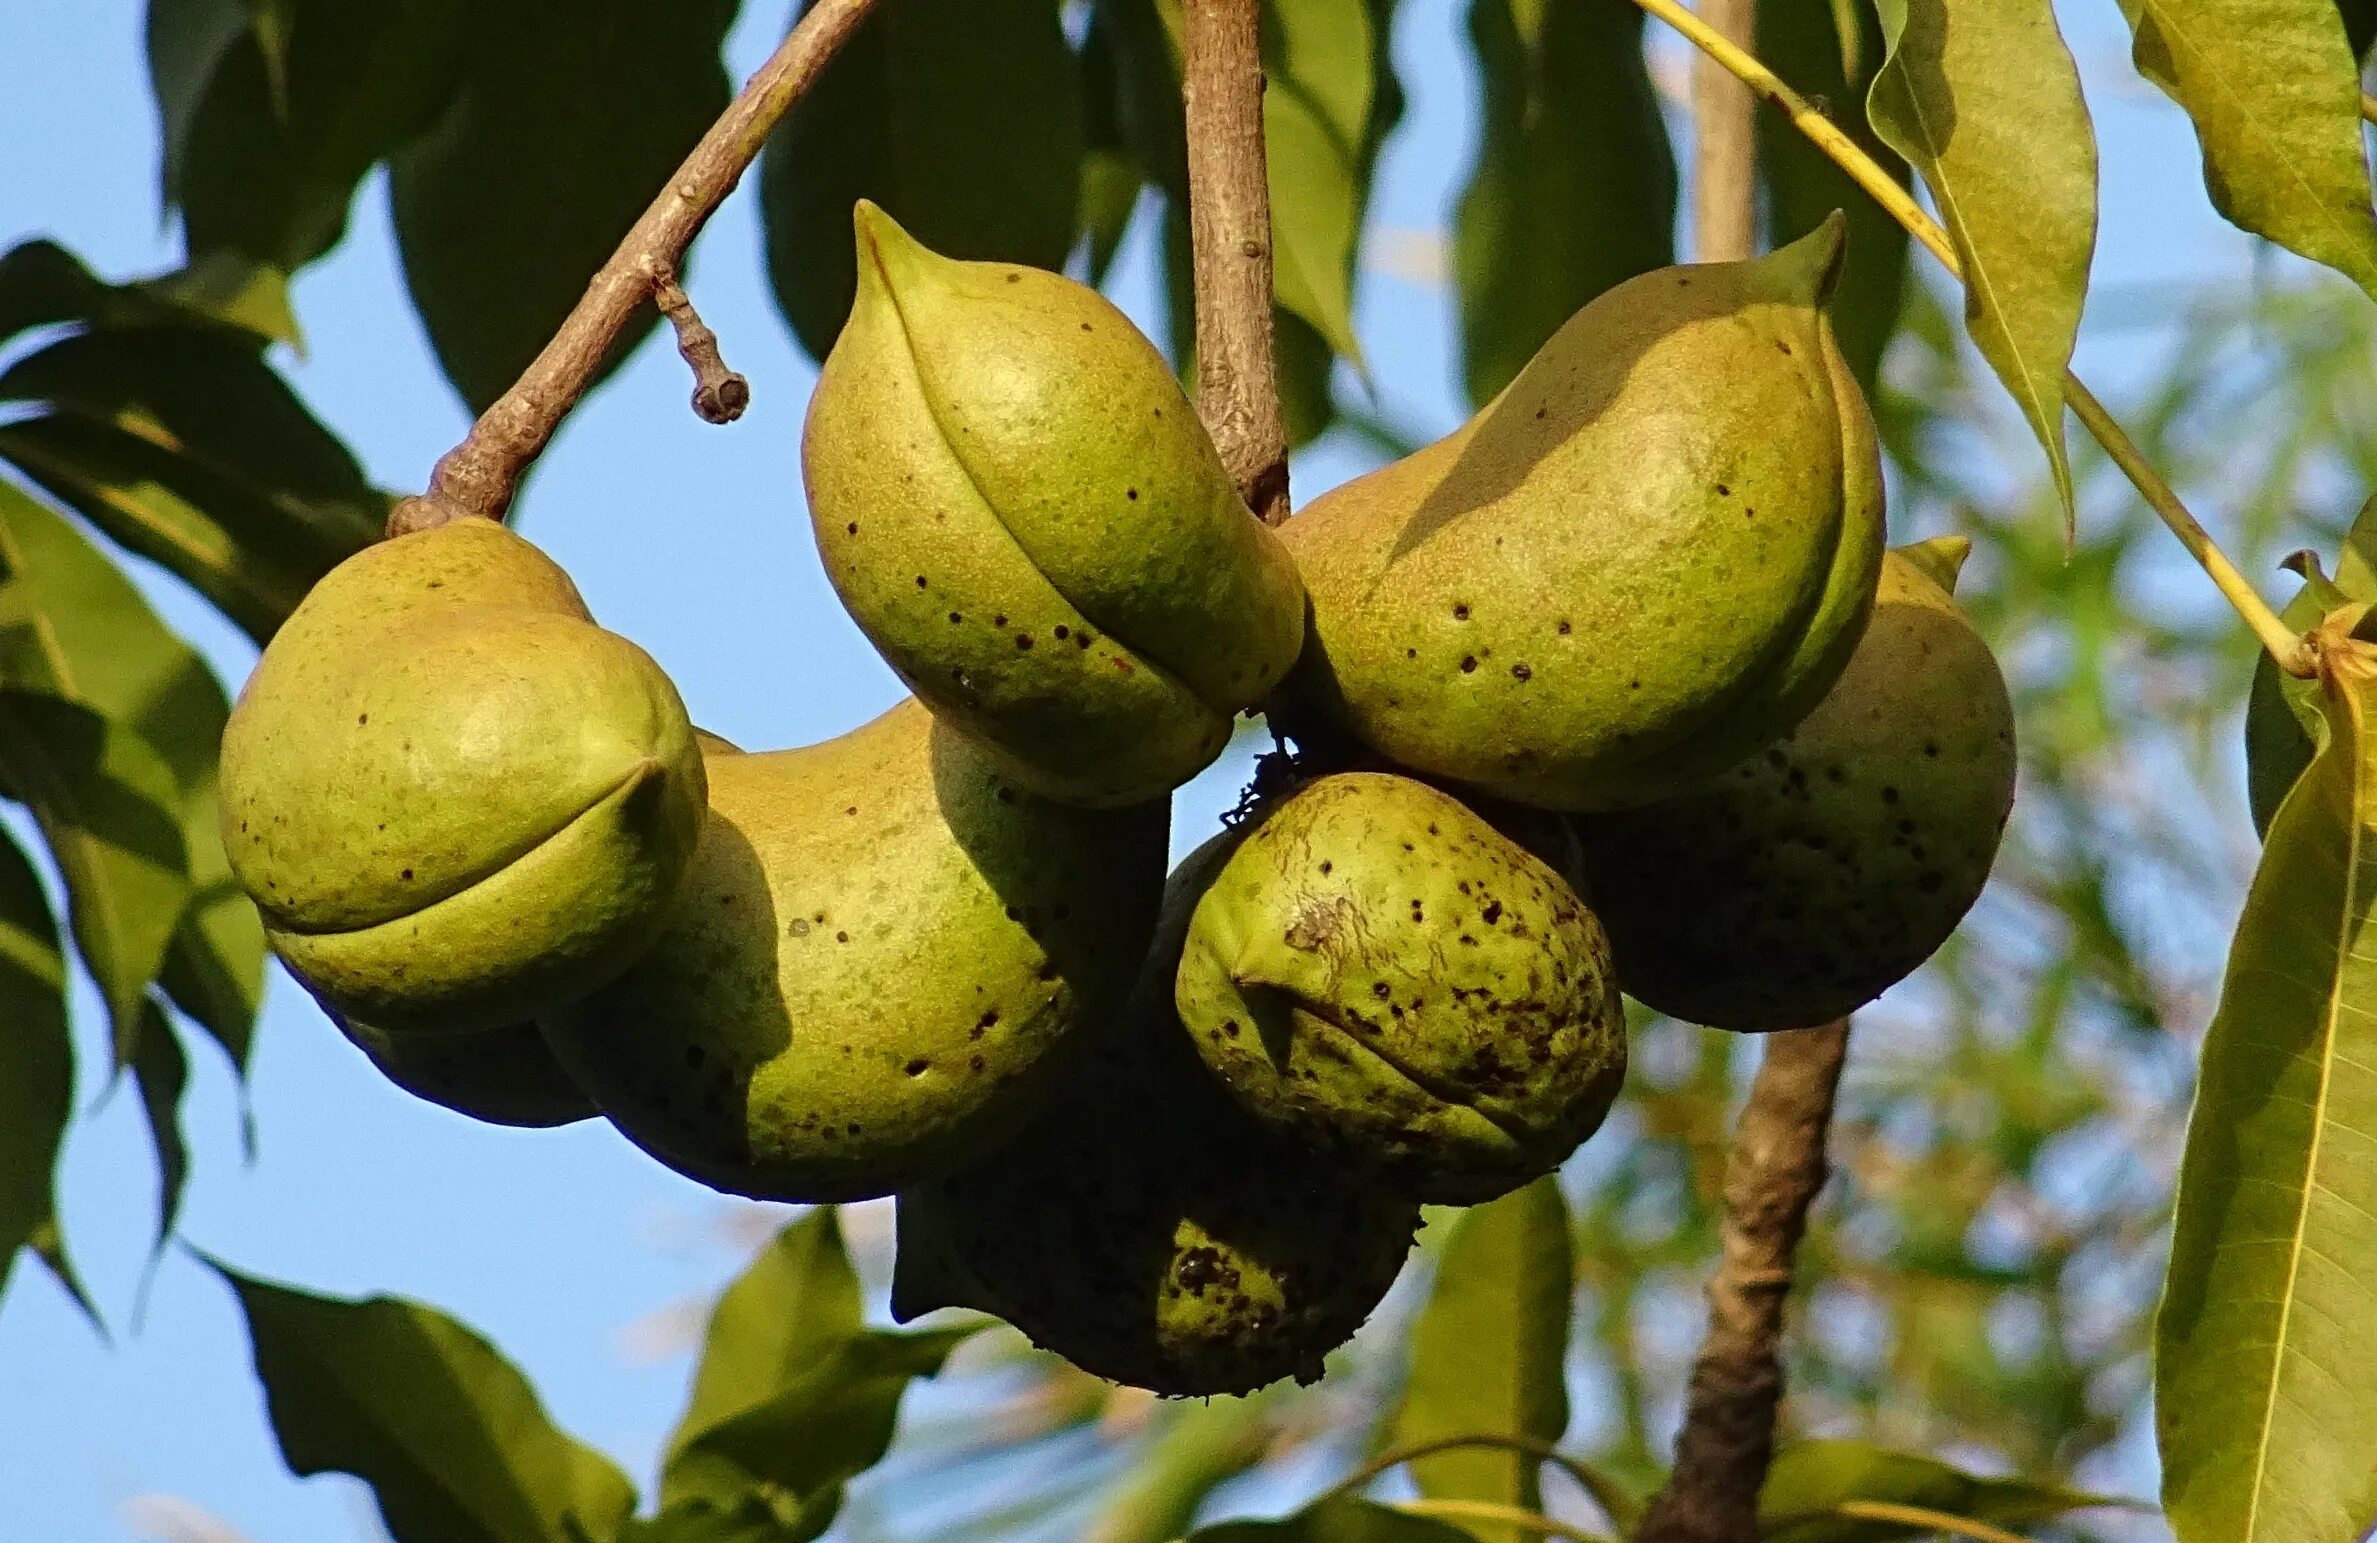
(1604, 1494)
(1230, 239)
(479, 476)
(1491, 1511)
(2282, 642)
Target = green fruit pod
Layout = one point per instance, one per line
(455, 799)
(501, 1076)
(1022, 512)
(885, 950)
(1378, 971)
(1649, 556)
(1149, 1231)
(1820, 872)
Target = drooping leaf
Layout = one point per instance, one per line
(2273, 87)
(2266, 1416)
(42, 283)
(1340, 1520)
(1574, 189)
(1982, 97)
(37, 1092)
(823, 1426)
(72, 624)
(1319, 67)
(448, 1434)
(161, 1072)
(1809, 1482)
(570, 117)
(111, 813)
(273, 114)
(1489, 1353)
(962, 118)
(1802, 42)
(798, 1297)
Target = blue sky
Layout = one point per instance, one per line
(693, 541)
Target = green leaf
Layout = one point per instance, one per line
(108, 807)
(1802, 42)
(1489, 1353)
(161, 1072)
(1574, 189)
(1340, 1520)
(447, 1433)
(2265, 1411)
(962, 118)
(1110, 176)
(1809, 1482)
(37, 1093)
(1319, 66)
(752, 1519)
(2273, 88)
(2360, 25)
(1982, 97)
(799, 1297)
(273, 114)
(571, 117)
(72, 624)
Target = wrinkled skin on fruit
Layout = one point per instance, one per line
(455, 798)
(883, 954)
(1646, 558)
(1145, 1228)
(1379, 971)
(1822, 871)
(1023, 513)
(502, 1076)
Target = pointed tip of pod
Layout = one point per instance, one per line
(887, 254)
(1939, 559)
(1809, 268)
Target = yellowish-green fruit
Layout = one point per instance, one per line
(1646, 558)
(883, 954)
(1380, 972)
(1147, 1229)
(1023, 513)
(503, 1076)
(455, 798)
(1819, 873)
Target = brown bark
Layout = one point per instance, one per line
(1725, 149)
(1772, 1176)
(1230, 236)
(478, 476)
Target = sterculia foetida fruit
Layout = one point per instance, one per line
(455, 799)
(1642, 561)
(1820, 872)
(1378, 971)
(875, 970)
(1145, 1227)
(1020, 509)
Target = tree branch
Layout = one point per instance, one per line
(1230, 233)
(478, 476)
(1771, 1177)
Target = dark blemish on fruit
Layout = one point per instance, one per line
(799, 928)
(1381, 990)
(1492, 912)
(1230, 1027)
(1000, 620)
(1006, 795)
(1564, 627)
(1785, 347)
(918, 1067)
(975, 1064)
(1521, 672)
(1469, 664)
(1023, 640)
(1063, 632)
(408, 873)
(955, 617)
(1460, 612)
(841, 937)
(1931, 749)
(920, 581)
(1723, 491)
(1889, 795)
(362, 718)
(1326, 865)
(852, 527)
(1131, 493)
(850, 810)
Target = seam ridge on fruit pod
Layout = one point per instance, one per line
(1165, 669)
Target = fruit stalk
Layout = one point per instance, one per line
(1230, 236)
(1773, 1173)
(478, 476)
(2280, 640)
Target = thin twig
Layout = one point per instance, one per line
(719, 394)
(1230, 235)
(2283, 642)
(478, 476)
(1509, 1515)
(1926, 1518)
(1772, 1175)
